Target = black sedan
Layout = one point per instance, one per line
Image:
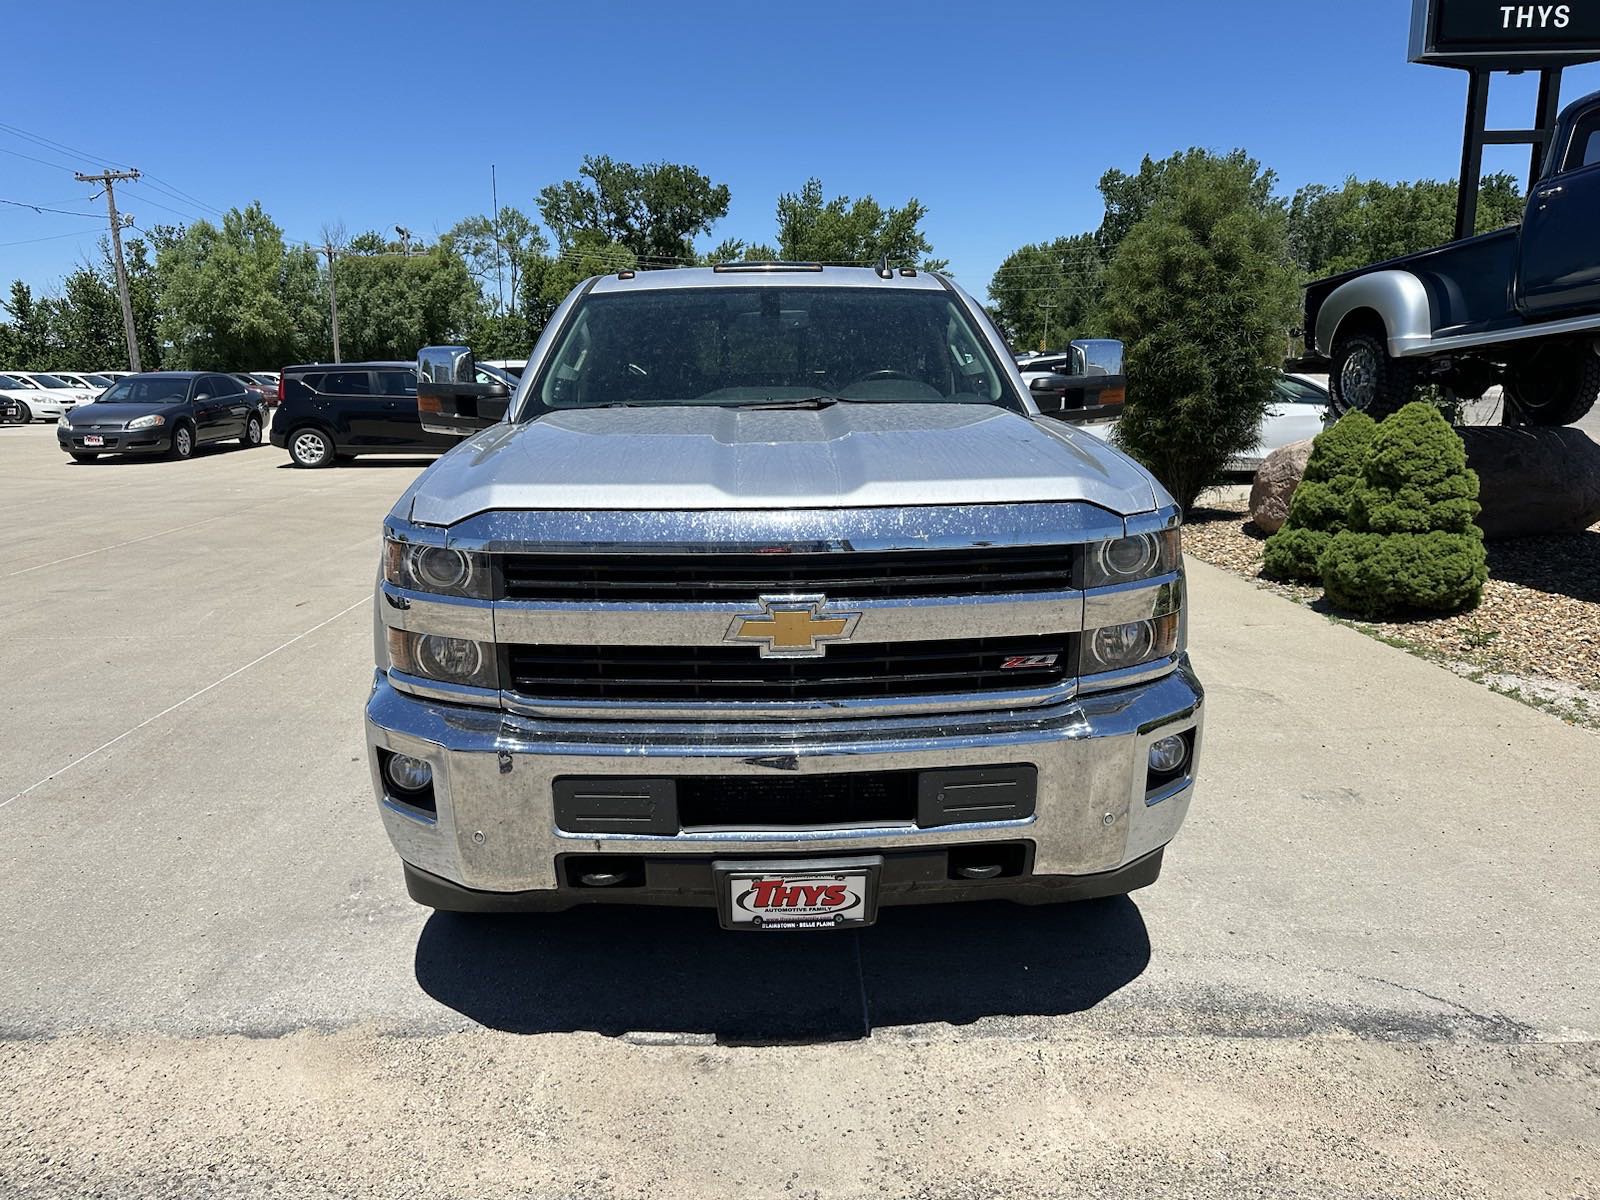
(163, 412)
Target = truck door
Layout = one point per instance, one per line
(1560, 245)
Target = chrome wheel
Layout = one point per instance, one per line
(252, 432)
(1358, 378)
(183, 442)
(309, 448)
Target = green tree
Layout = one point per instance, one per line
(391, 305)
(655, 211)
(1368, 221)
(1413, 542)
(497, 252)
(87, 324)
(1201, 292)
(26, 338)
(234, 297)
(841, 230)
(1129, 198)
(1048, 291)
(548, 278)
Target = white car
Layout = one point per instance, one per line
(38, 404)
(1299, 411)
(88, 382)
(54, 383)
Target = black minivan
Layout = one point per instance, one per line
(332, 411)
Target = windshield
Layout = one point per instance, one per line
(1296, 391)
(50, 381)
(98, 380)
(148, 389)
(764, 345)
(11, 383)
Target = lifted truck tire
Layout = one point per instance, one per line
(1364, 377)
(1552, 385)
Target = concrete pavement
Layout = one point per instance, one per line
(1367, 971)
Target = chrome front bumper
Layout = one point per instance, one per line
(493, 772)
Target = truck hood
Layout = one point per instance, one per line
(846, 456)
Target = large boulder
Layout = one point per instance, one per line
(1534, 480)
(1275, 484)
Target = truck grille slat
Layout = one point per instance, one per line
(734, 673)
(857, 575)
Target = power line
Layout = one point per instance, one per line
(54, 237)
(39, 139)
(31, 158)
(44, 208)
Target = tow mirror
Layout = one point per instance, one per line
(449, 398)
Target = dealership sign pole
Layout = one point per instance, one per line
(1485, 36)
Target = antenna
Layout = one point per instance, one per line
(884, 270)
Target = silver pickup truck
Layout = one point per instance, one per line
(769, 591)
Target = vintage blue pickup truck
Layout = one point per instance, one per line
(1519, 306)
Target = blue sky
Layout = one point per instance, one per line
(999, 116)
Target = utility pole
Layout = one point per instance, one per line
(494, 194)
(106, 179)
(333, 298)
(1047, 308)
(405, 239)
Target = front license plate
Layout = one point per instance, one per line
(90, 439)
(830, 894)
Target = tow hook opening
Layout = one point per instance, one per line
(978, 864)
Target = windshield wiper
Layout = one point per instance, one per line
(812, 403)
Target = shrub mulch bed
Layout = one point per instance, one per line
(1539, 620)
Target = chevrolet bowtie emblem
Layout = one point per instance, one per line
(793, 626)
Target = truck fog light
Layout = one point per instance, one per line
(407, 774)
(450, 658)
(1168, 755)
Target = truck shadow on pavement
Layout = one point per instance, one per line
(673, 972)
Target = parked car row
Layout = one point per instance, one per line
(38, 396)
(325, 413)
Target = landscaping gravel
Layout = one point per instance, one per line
(1539, 619)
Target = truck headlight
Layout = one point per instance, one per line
(438, 569)
(446, 659)
(1118, 647)
(1128, 559)
(151, 422)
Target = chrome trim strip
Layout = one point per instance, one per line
(794, 531)
(425, 612)
(1522, 333)
(451, 693)
(928, 619)
(1143, 600)
(694, 841)
(724, 710)
(1163, 794)
(1128, 676)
